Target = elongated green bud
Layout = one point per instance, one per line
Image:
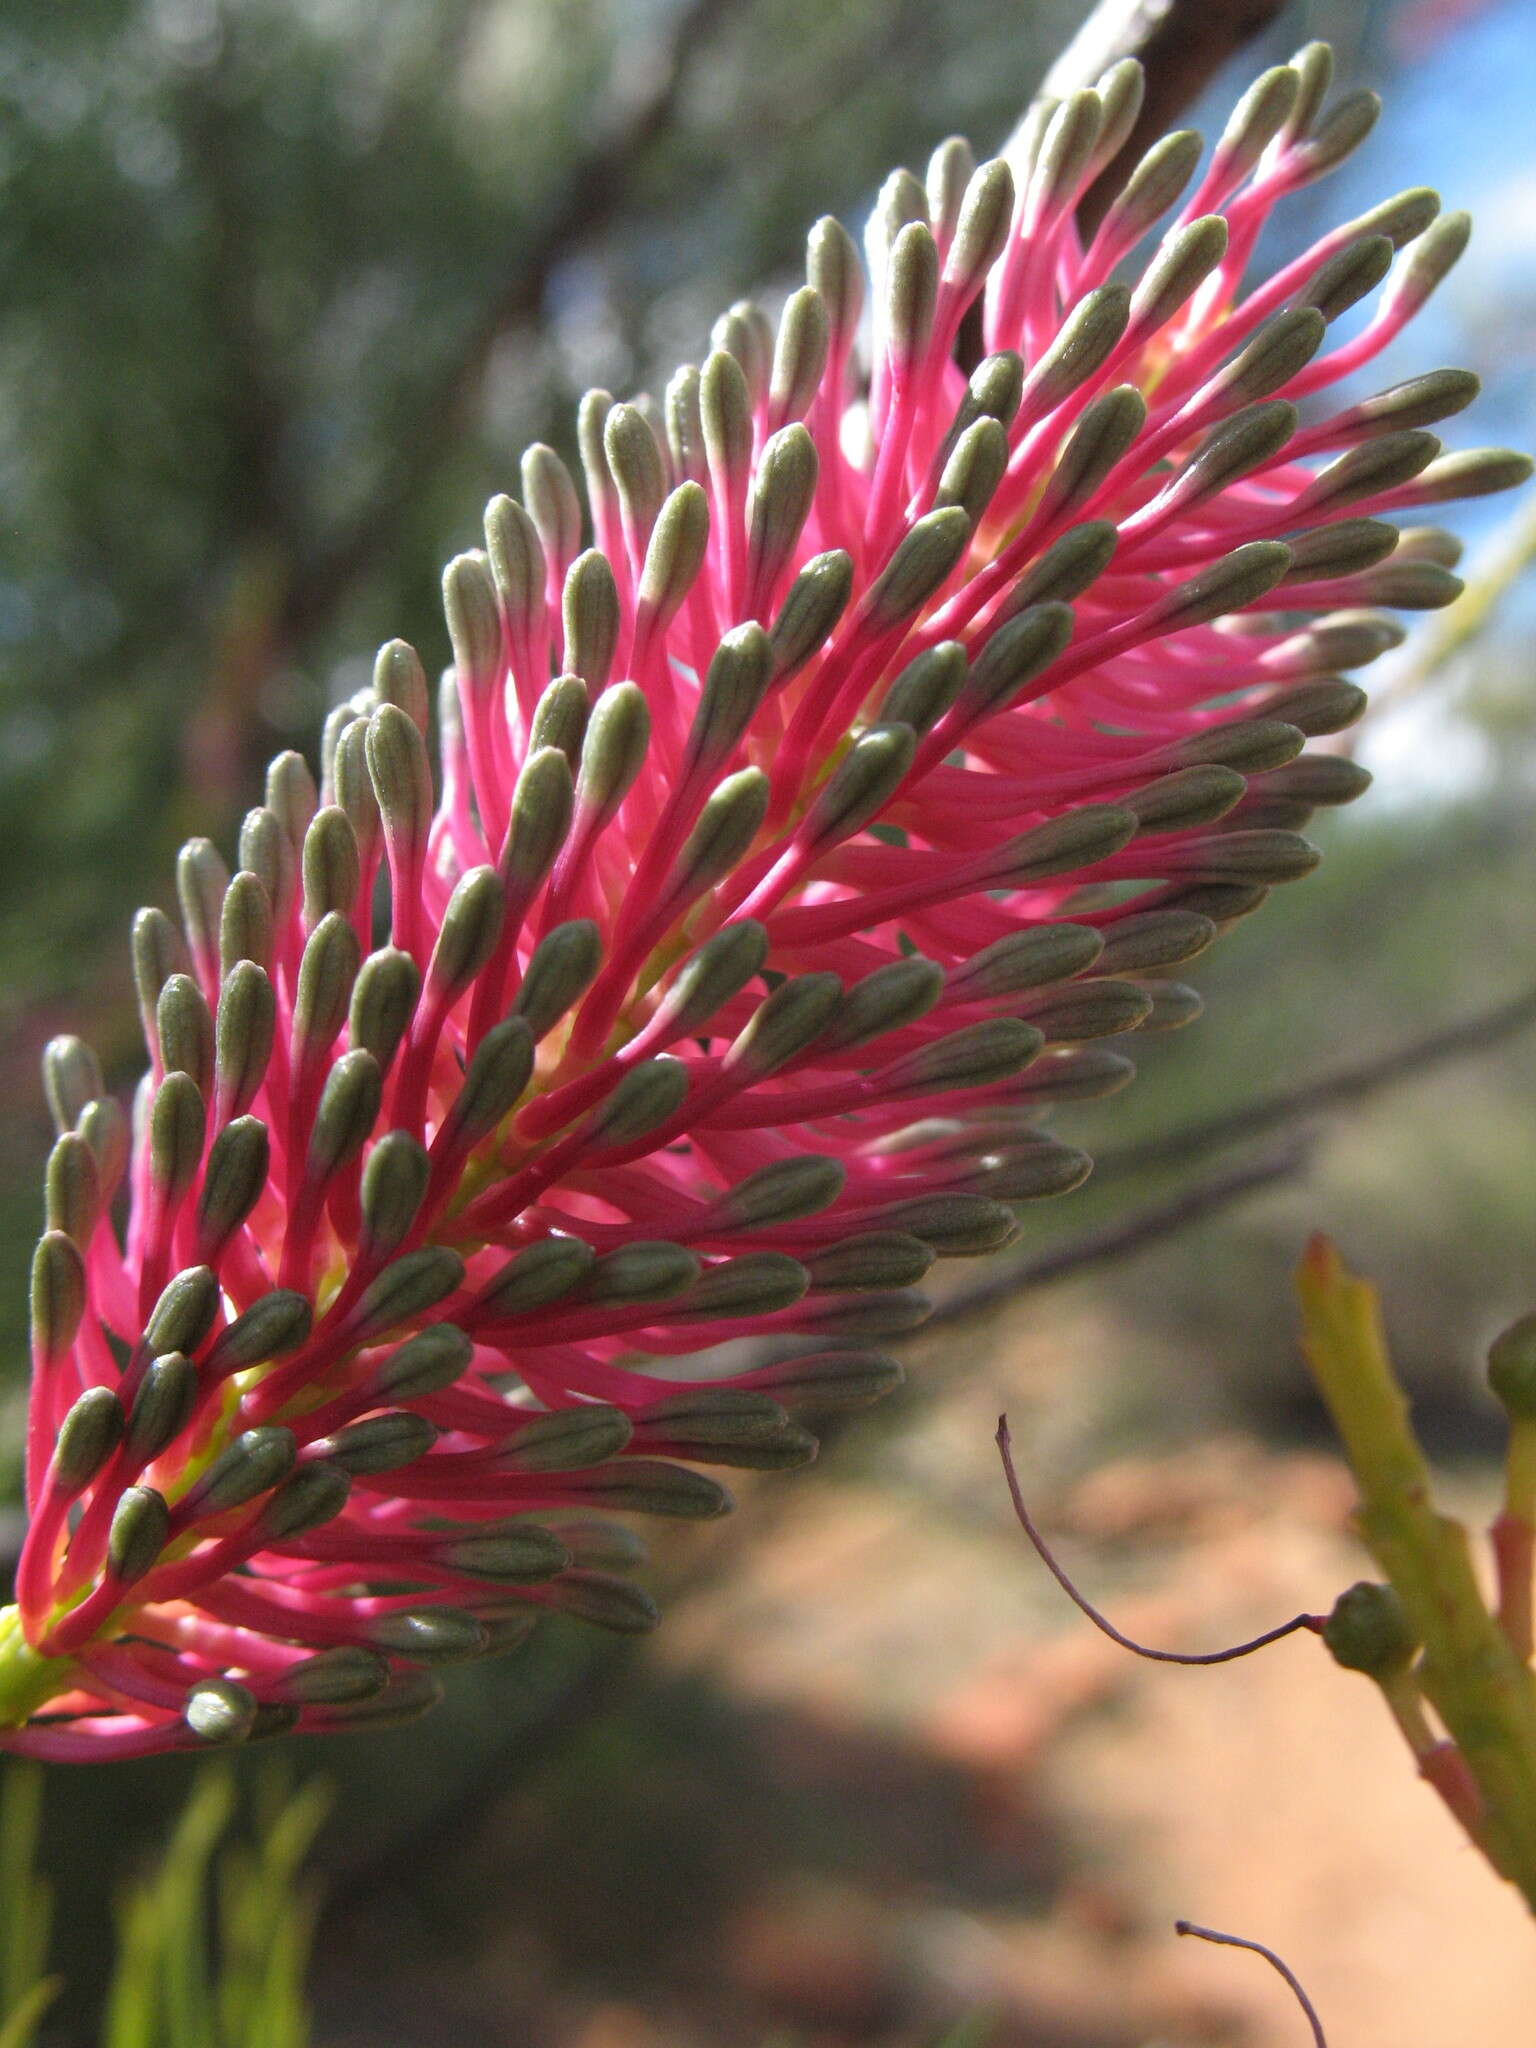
(634, 461)
(785, 1023)
(315, 1494)
(1346, 548)
(720, 969)
(424, 1364)
(1026, 960)
(542, 806)
(613, 750)
(73, 1199)
(833, 267)
(816, 600)
(400, 679)
(341, 1675)
(470, 928)
(875, 1258)
(725, 409)
(238, 1163)
(757, 1284)
(539, 1274)
(140, 1525)
(926, 687)
(497, 1074)
(675, 552)
(72, 1075)
(745, 330)
(1197, 795)
(1257, 119)
(177, 1125)
(560, 719)
(591, 417)
(862, 784)
(1472, 473)
(522, 1557)
(831, 1382)
(428, 1635)
(562, 968)
(516, 560)
(271, 856)
(565, 1440)
(383, 1003)
(159, 951)
(1103, 433)
(104, 1128)
(408, 1287)
(402, 775)
(733, 688)
(1066, 151)
(974, 469)
(800, 354)
(975, 1056)
(90, 1432)
(201, 879)
(1066, 569)
(600, 1599)
(953, 1226)
(257, 1460)
(722, 835)
(1153, 187)
(1081, 345)
(1512, 1369)
(182, 1317)
(162, 1407)
(923, 558)
(331, 865)
(328, 968)
(474, 621)
(885, 1000)
(1080, 1074)
(783, 491)
(552, 503)
(640, 1272)
(1183, 263)
(647, 1095)
(245, 924)
(1088, 1009)
(781, 1192)
(394, 1185)
(271, 1328)
(1154, 938)
(346, 1113)
(291, 795)
(649, 1486)
(1091, 833)
(1014, 655)
(243, 1034)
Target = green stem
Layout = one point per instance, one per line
(1484, 1695)
(27, 1681)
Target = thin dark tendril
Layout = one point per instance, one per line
(1238, 1941)
(1313, 1622)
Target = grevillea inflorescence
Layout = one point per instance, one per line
(790, 850)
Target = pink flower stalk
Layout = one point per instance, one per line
(789, 846)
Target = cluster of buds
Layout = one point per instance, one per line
(791, 850)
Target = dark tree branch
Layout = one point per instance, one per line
(1181, 45)
(1008, 1277)
(1346, 1086)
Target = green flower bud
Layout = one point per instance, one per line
(342, 1675)
(220, 1712)
(257, 1460)
(345, 1114)
(1369, 1631)
(814, 603)
(781, 1192)
(923, 558)
(328, 968)
(73, 1189)
(201, 879)
(784, 1024)
(243, 1033)
(273, 1325)
(271, 856)
(566, 1440)
(430, 1635)
(649, 1486)
(238, 1163)
(553, 506)
(384, 997)
(90, 1432)
(831, 1382)
(400, 679)
(72, 1075)
(315, 1494)
(875, 1258)
(407, 1287)
(424, 1364)
(379, 1443)
(162, 1407)
(887, 999)
(331, 866)
(1512, 1369)
(177, 1126)
(140, 1526)
(675, 553)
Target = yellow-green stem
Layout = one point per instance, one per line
(1482, 1692)
(27, 1681)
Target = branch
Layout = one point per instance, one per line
(1258, 1949)
(1007, 1277)
(1180, 44)
(1346, 1085)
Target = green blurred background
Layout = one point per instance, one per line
(288, 284)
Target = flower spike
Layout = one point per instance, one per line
(806, 821)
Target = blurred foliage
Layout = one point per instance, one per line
(213, 1939)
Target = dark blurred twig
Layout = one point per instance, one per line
(1181, 45)
(1347, 1085)
(1006, 1278)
